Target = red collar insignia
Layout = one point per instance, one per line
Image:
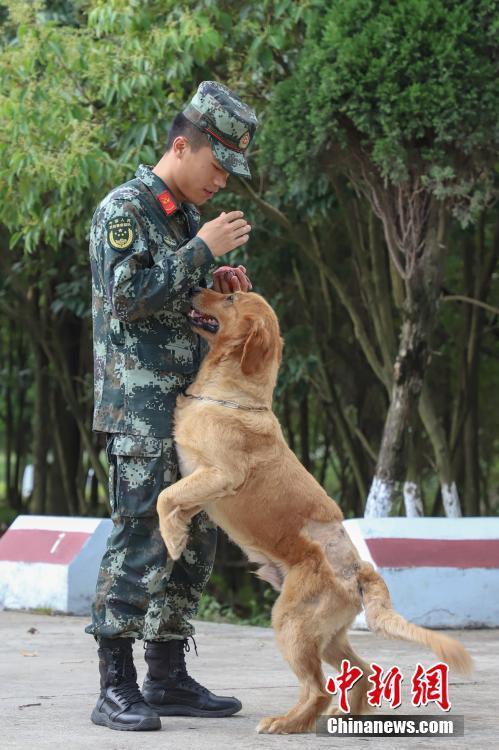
(168, 202)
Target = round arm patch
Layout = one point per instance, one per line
(121, 232)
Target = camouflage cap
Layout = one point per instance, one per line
(227, 121)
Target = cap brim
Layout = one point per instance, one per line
(232, 161)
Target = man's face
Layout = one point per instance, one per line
(198, 174)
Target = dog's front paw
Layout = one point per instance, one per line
(175, 549)
(174, 533)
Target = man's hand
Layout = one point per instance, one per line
(227, 279)
(225, 233)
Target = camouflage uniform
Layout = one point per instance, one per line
(144, 259)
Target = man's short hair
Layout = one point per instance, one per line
(182, 126)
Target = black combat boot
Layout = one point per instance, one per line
(120, 704)
(170, 691)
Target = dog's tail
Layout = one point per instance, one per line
(382, 618)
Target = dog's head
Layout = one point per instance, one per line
(241, 326)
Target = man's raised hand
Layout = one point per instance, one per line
(225, 233)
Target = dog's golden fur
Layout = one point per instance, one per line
(237, 467)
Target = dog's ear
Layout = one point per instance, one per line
(257, 347)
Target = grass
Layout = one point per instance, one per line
(211, 610)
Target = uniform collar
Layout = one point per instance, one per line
(159, 189)
(162, 192)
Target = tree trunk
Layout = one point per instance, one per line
(422, 291)
(93, 505)
(21, 426)
(288, 422)
(304, 431)
(471, 443)
(441, 451)
(471, 371)
(9, 422)
(408, 377)
(41, 421)
(338, 418)
(413, 500)
(66, 433)
(327, 448)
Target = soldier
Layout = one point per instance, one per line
(147, 251)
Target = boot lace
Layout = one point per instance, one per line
(129, 692)
(185, 679)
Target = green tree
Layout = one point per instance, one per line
(404, 101)
(357, 103)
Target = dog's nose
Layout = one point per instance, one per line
(195, 290)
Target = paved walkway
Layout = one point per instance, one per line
(49, 682)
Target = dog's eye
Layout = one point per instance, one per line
(230, 298)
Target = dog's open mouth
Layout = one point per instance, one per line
(202, 320)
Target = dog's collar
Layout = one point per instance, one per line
(228, 404)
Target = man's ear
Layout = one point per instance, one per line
(256, 347)
(179, 146)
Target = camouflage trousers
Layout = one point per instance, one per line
(141, 592)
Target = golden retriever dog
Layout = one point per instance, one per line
(236, 466)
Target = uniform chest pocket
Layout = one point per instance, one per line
(165, 358)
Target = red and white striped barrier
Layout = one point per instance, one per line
(441, 572)
(51, 562)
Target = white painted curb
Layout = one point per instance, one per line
(441, 572)
(51, 562)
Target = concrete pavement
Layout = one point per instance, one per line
(49, 684)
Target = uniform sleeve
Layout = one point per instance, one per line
(137, 285)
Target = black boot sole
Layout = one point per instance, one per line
(173, 710)
(148, 723)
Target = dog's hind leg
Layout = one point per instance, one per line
(298, 620)
(333, 652)
(302, 653)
